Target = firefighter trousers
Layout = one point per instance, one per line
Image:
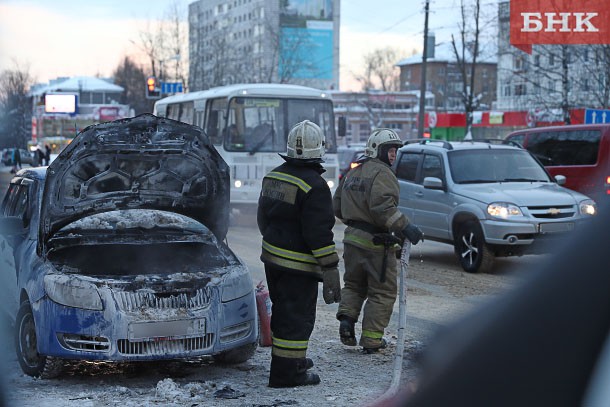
(293, 311)
(362, 283)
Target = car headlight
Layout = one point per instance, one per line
(236, 284)
(503, 210)
(72, 292)
(331, 184)
(588, 207)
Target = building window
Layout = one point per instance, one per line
(520, 89)
(551, 60)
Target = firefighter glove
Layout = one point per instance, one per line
(331, 285)
(413, 233)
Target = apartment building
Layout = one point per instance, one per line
(444, 79)
(553, 79)
(238, 41)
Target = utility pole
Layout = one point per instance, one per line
(422, 89)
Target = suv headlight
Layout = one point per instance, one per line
(588, 207)
(503, 210)
(236, 284)
(72, 292)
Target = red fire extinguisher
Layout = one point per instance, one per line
(263, 305)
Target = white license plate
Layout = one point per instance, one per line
(166, 329)
(556, 227)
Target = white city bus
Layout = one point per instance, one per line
(249, 125)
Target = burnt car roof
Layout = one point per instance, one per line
(145, 162)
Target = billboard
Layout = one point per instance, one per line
(61, 103)
(307, 37)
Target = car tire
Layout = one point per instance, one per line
(472, 251)
(237, 355)
(32, 363)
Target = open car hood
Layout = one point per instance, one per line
(143, 162)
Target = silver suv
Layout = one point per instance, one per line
(486, 199)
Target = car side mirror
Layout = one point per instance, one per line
(11, 226)
(560, 179)
(433, 183)
(341, 126)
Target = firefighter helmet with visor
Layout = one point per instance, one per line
(378, 138)
(306, 141)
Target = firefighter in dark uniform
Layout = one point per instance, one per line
(366, 200)
(295, 218)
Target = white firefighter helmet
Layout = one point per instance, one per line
(379, 137)
(305, 141)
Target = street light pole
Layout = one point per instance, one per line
(422, 89)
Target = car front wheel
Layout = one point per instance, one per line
(31, 362)
(471, 249)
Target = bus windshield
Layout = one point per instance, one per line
(262, 124)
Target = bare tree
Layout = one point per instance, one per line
(164, 42)
(592, 76)
(380, 70)
(133, 80)
(15, 106)
(174, 48)
(289, 53)
(466, 52)
(560, 77)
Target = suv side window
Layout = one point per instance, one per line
(431, 167)
(406, 168)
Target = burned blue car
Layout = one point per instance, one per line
(117, 252)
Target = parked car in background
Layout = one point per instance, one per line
(486, 200)
(119, 252)
(27, 157)
(580, 152)
(348, 155)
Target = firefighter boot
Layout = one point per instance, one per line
(346, 330)
(372, 345)
(305, 364)
(290, 372)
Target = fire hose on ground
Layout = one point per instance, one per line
(402, 322)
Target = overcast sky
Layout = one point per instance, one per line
(75, 37)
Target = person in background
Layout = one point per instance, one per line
(40, 156)
(17, 158)
(366, 200)
(295, 218)
(47, 154)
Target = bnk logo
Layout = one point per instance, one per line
(559, 22)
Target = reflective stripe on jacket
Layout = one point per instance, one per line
(369, 193)
(295, 217)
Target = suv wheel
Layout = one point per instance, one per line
(471, 249)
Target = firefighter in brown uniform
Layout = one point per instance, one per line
(366, 200)
(295, 218)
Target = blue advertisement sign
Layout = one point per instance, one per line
(307, 37)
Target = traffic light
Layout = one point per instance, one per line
(152, 88)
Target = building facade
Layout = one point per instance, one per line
(444, 79)
(245, 41)
(553, 79)
(365, 111)
(94, 100)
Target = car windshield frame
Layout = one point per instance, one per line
(477, 166)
